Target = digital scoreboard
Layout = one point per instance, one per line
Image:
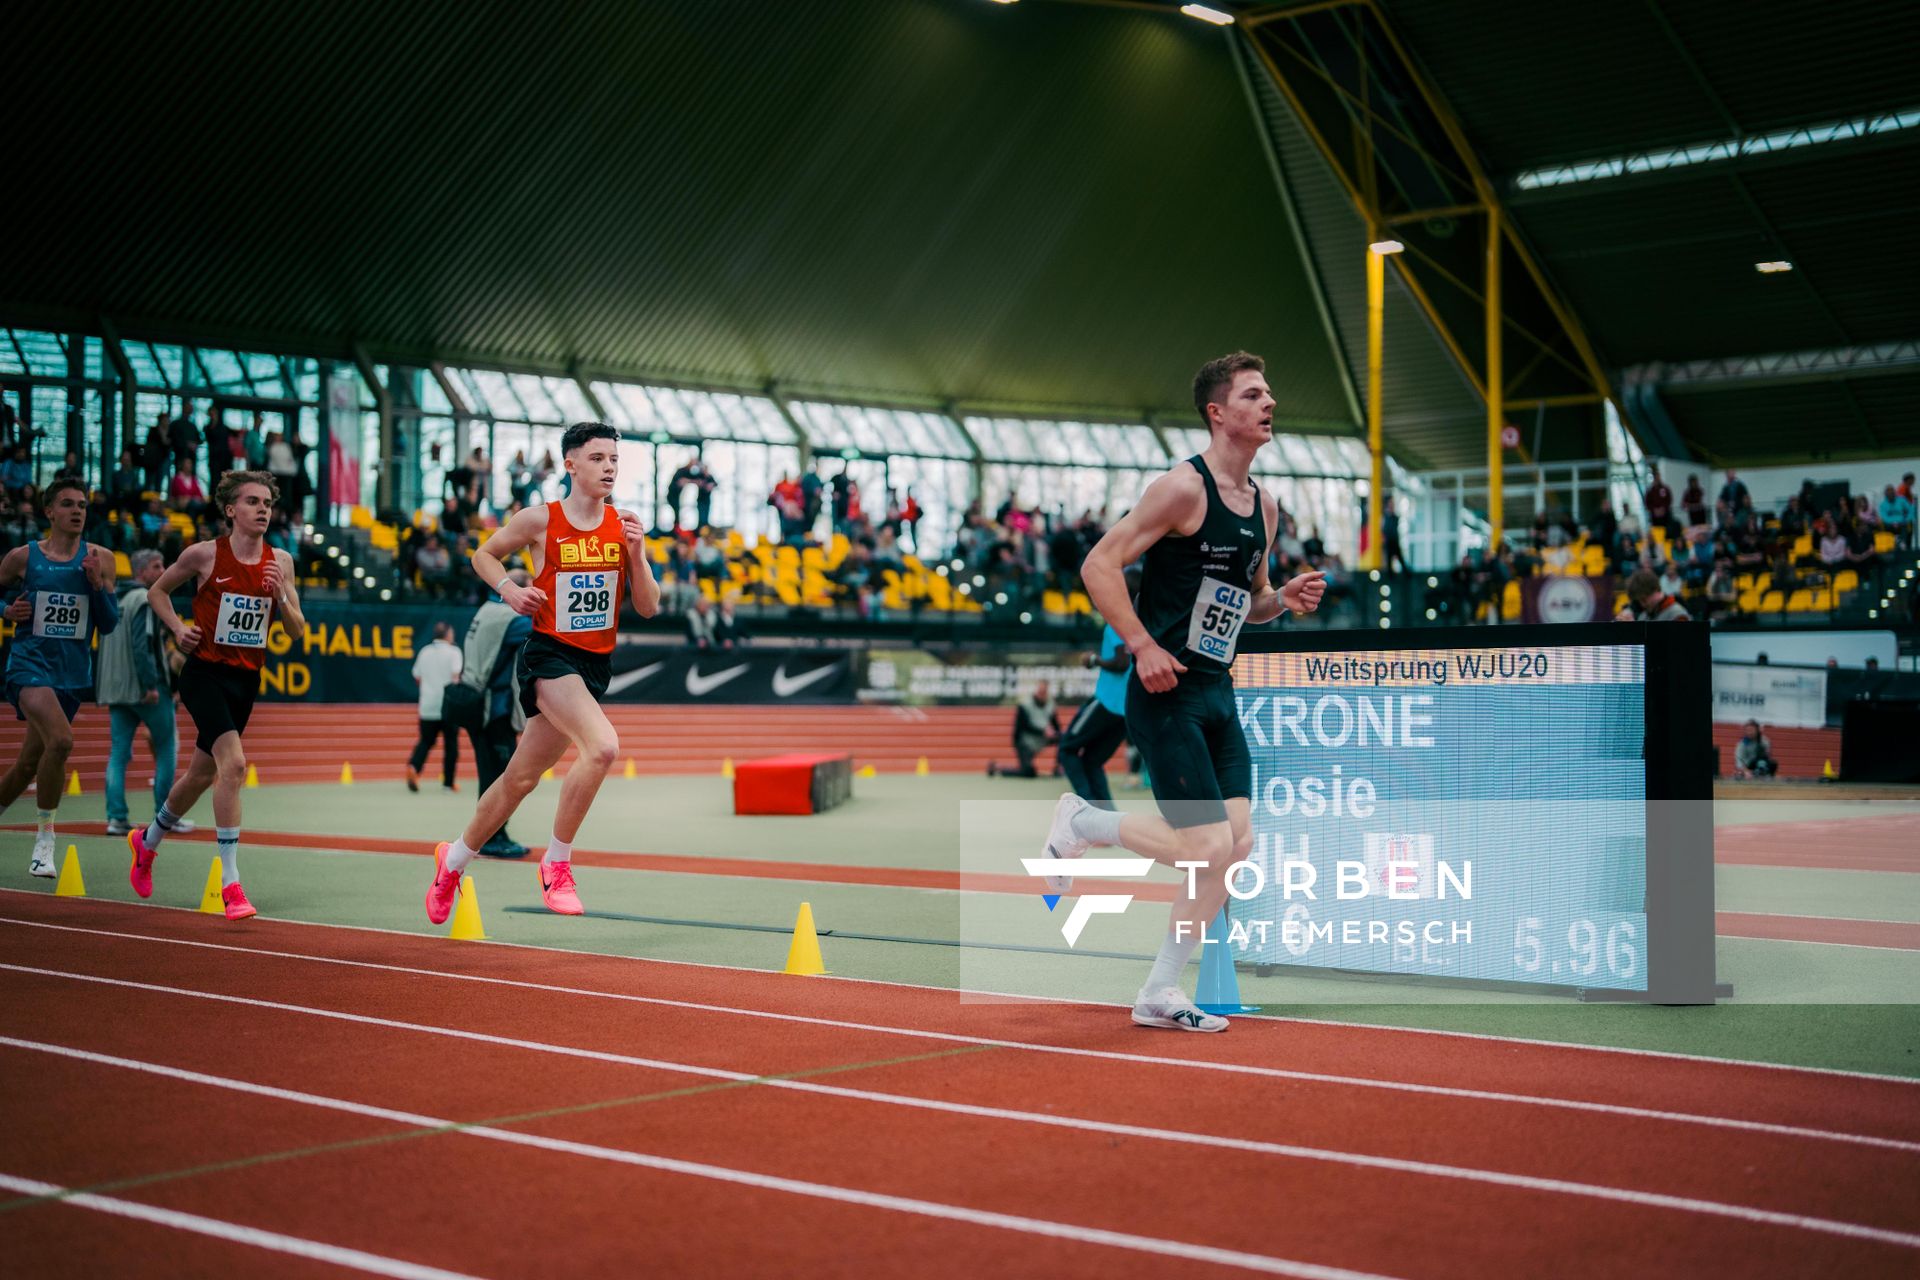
(1530, 808)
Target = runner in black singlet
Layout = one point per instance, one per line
(1205, 530)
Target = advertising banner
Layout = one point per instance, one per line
(1789, 696)
(1561, 599)
(956, 676)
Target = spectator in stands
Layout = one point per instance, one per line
(1860, 550)
(1760, 659)
(219, 447)
(1753, 754)
(520, 478)
(1793, 520)
(9, 424)
(701, 624)
(183, 440)
(1781, 577)
(1034, 726)
(1646, 602)
(1605, 524)
(854, 577)
(153, 456)
(1833, 544)
(123, 486)
(1723, 593)
(435, 564)
(71, 469)
(153, 520)
(1896, 515)
(250, 448)
(22, 524)
(811, 489)
(1749, 544)
(710, 561)
(1872, 663)
(1660, 503)
(281, 462)
(480, 481)
(184, 491)
(1670, 580)
(1694, 502)
(1391, 552)
(1698, 566)
(693, 474)
(1863, 512)
(790, 507)
(16, 473)
(886, 552)
(727, 631)
(1735, 501)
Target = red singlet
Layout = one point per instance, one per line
(581, 576)
(232, 609)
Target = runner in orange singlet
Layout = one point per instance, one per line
(242, 584)
(585, 553)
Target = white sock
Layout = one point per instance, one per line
(228, 838)
(458, 856)
(558, 850)
(46, 823)
(1173, 957)
(1096, 825)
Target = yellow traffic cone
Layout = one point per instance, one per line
(211, 903)
(726, 767)
(70, 885)
(547, 776)
(346, 775)
(631, 771)
(1829, 773)
(466, 915)
(921, 770)
(73, 784)
(253, 776)
(803, 956)
(867, 771)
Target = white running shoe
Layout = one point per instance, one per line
(1169, 1007)
(42, 864)
(184, 828)
(1061, 842)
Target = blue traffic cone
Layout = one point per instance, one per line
(1219, 990)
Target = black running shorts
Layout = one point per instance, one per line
(219, 696)
(545, 658)
(1195, 751)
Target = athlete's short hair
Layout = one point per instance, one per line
(58, 486)
(581, 432)
(1216, 376)
(227, 491)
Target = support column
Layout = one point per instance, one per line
(383, 493)
(1376, 449)
(1496, 386)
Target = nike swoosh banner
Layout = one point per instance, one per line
(756, 676)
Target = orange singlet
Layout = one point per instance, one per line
(232, 609)
(581, 575)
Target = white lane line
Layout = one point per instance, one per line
(1000, 995)
(1323, 1155)
(273, 1241)
(1276, 1073)
(666, 1164)
(1004, 995)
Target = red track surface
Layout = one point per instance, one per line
(300, 742)
(1889, 842)
(1334, 1101)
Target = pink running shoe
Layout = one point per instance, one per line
(444, 889)
(140, 874)
(238, 908)
(557, 891)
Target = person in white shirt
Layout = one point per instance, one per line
(434, 668)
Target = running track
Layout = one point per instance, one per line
(225, 1091)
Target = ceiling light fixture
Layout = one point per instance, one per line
(1385, 247)
(1205, 14)
(1772, 268)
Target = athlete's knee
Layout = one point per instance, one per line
(1212, 844)
(232, 767)
(600, 751)
(57, 742)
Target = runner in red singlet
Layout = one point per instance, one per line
(587, 555)
(242, 583)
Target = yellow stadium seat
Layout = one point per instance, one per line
(1803, 545)
(1595, 562)
(1801, 601)
(122, 565)
(1660, 534)
(1510, 601)
(1844, 581)
(1772, 602)
(1053, 601)
(1884, 542)
(361, 518)
(1078, 602)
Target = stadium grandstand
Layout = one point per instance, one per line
(758, 445)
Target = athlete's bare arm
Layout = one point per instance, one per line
(1301, 594)
(286, 596)
(516, 535)
(1175, 503)
(643, 589)
(13, 571)
(194, 564)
